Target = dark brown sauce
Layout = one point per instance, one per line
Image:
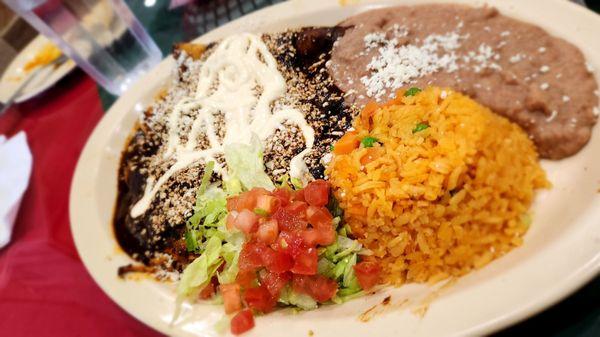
(135, 235)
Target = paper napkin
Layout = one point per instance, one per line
(15, 170)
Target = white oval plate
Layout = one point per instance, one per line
(15, 74)
(561, 251)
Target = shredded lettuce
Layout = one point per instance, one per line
(297, 183)
(210, 212)
(245, 162)
(206, 230)
(231, 254)
(344, 295)
(302, 301)
(233, 186)
(198, 273)
(337, 260)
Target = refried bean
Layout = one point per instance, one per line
(538, 81)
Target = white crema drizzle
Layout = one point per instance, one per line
(239, 80)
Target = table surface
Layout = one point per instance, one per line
(45, 289)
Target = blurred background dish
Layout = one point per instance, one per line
(39, 52)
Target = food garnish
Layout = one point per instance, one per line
(368, 141)
(420, 127)
(261, 248)
(412, 91)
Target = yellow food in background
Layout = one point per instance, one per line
(45, 56)
(445, 188)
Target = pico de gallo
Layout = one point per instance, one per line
(263, 248)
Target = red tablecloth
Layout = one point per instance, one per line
(44, 287)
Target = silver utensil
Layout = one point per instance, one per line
(4, 106)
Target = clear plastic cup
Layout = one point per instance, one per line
(102, 36)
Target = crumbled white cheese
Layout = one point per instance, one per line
(482, 58)
(544, 86)
(544, 69)
(374, 40)
(542, 49)
(326, 159)
(566, 98)
(397, 65)
(278, 171)
(505, 33)
(443, 94)
(516, 58)
(552, 116)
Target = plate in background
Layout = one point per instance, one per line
(15, 73)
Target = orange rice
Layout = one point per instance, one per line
(441, 201)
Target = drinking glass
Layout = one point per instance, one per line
(102, 36)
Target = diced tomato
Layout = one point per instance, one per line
(246, 200)
(260, 299)
(326, 236)
(251, 256)
(246, 221)
(319, 287)
(246, 278)
(313, 237)
(347, 143)
(368, 274)
(274, 282)
(253, 195)
(305, 263)
(316, 193)
(232, 299)
(298, 208)
(207, 292)
(299, 195)
(291, 217)
(319, 217)
(230, 221)
(310, 237)
(266, 203)
(301, 283)
(277, 261)
(291, 243)
(323, 288)
(232, 203)
(284, 196)
(267, 232)
(242, 322)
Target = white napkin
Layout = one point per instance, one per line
(15, 169)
